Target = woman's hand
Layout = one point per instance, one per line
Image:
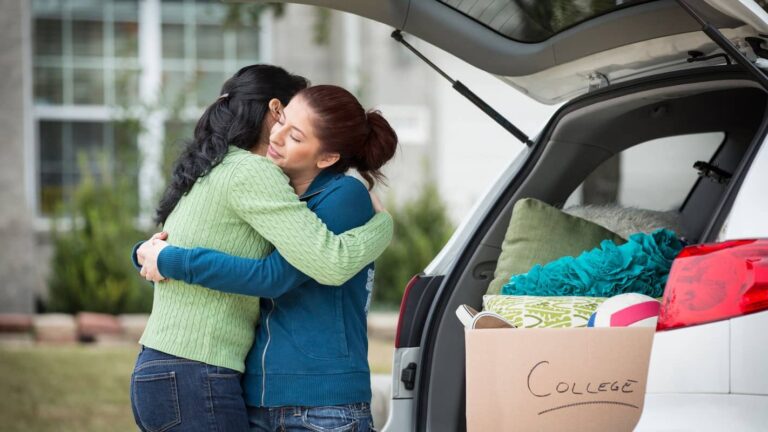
(162, 235)
(377, 206)
(147, 255)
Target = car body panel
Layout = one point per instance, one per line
(750, 204)
(401, 415)
(676, 412)
(567, 81)
(691, 360)
(749, 354)
(708, 377)
(527, 65)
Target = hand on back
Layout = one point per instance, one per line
(147, 256)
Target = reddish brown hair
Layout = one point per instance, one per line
(364, 140)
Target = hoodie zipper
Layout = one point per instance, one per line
(264, 356)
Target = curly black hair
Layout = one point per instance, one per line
(235, 119)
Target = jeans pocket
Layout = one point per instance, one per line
(329, 419)
(226, 398)
(156, 401)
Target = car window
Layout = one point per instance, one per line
(534, 20)
(655, 175)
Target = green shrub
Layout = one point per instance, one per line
(91, 269)
(422, 228)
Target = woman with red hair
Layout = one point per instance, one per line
(308, 369)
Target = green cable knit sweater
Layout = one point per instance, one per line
(243, 207)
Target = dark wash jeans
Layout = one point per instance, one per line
(174, 394)
(338, 418)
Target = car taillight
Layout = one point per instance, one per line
(403, 302)
(713, 282)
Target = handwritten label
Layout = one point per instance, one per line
(543, 388)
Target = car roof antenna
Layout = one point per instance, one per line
(467, 93)
(725, 44)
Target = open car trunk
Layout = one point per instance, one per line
(554, 51)
(629, 72)
(581, 136)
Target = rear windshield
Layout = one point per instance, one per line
(534, 20)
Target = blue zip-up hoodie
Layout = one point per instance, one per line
(311, 346)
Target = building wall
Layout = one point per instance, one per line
(19, 277)
(443, 138)
(402, 86)
(472, 150)
(361, 57)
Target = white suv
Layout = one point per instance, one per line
(630, 73)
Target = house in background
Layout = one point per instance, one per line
(75, 69)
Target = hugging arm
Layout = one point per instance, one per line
(268, 277)
(274, 275)
(260, 195)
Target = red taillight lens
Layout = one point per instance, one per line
(403, 303)
(713, 282)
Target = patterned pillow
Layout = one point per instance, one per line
(535, 311)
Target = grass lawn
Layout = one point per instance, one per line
(84, 388)
(75, 388)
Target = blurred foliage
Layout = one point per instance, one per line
(91, 270)
(247, 15)
(322, 26)
(95, 231)
(422, 228)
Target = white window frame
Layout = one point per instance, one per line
(150, 62)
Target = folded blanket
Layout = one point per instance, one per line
(549, 312)
(640, 266)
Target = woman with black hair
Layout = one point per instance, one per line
(223, 195)
(308, 370)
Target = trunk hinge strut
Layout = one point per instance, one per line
(467, 93)
(725, 44)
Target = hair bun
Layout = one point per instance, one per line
(380, 144)
(364, 141)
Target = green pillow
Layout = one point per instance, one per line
(541, 312)
(539, 233)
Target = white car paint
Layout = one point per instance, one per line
(679, 412)
(751, 206)
(749, 355)
(714, 377)
(652, 57)
(691, 360)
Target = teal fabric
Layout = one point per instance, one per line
(539, 233)
(640, 266)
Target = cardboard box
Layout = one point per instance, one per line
(571, 379)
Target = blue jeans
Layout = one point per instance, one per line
(339, 418)
(174, 394)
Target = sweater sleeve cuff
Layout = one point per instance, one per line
(172, 263)
(134, 257)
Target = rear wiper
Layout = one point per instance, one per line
(467, 93)
(725, 44)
